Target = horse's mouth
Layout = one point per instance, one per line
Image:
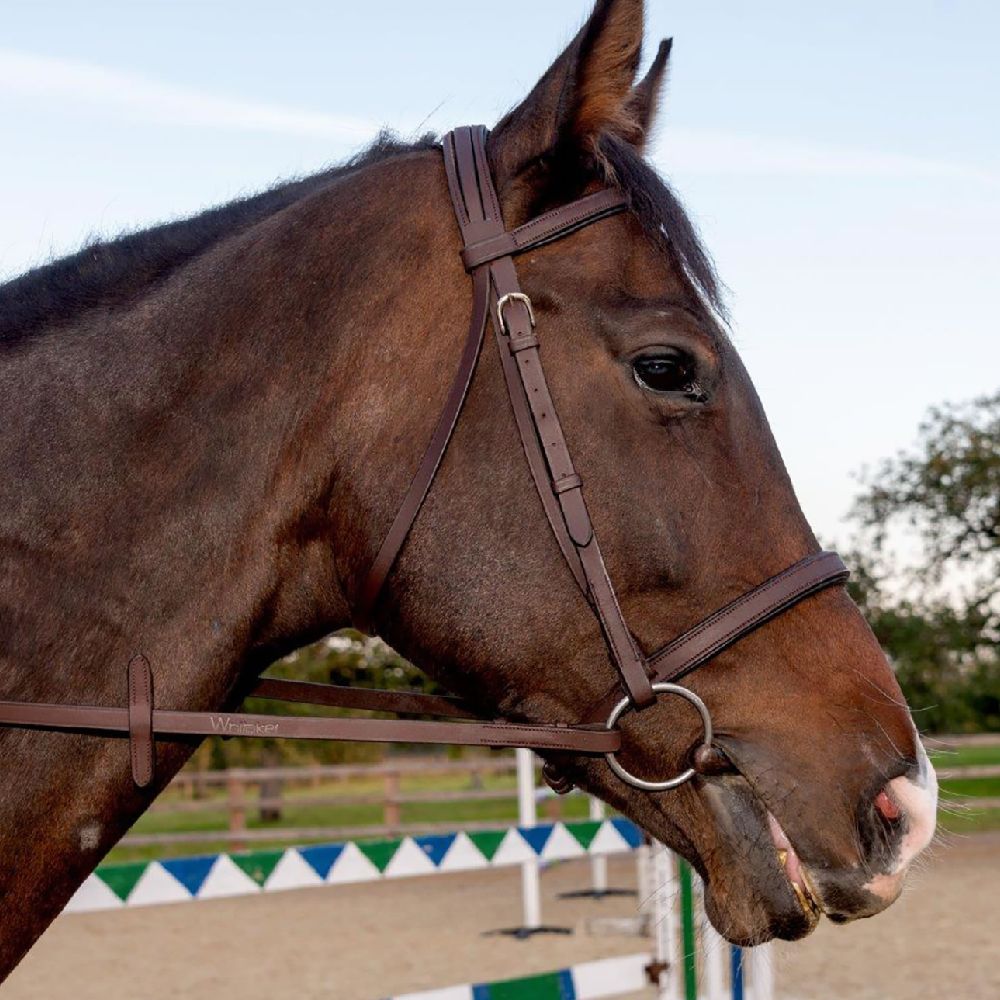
(798, 878)
(756, 885)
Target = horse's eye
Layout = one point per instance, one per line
(667, 371)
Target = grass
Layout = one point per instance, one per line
(954, 819)
(965, 756)
(966, 818)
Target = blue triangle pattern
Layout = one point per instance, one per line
(435, 846)
(629, 831)
(190, 872)
(321, 857)
(567, 988)
(536, 836)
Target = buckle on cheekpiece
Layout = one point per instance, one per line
(505, 300)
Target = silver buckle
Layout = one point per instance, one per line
(658, 786)
(505, 300)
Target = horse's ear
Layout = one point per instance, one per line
(584, 92)
(644, 101)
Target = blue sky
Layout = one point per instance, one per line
(842, 161)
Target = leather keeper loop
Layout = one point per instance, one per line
(577, 519)
(140, 720)
(564, 483)
(523, 342)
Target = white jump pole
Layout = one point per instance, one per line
(598, 862)
(715, 952)
(644, 876)
(527, 812)
(760, 962)
(666, 929)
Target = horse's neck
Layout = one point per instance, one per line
(191, 476)
(173, 459)
(194, 474)
(169, 473)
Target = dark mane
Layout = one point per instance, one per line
(663, 217)
(112, 272)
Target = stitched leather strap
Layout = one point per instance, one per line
(515, 332)
(733, 621)
(553, 225)
(166, 723)
(741, 617)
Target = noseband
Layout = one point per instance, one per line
(488, 254)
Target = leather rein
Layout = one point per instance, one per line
(488, 254)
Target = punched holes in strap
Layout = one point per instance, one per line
(140, 720)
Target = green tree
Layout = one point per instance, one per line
(947, 489)
(942, 636)
(944, 653)
(347, 658)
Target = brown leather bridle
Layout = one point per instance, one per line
(488, 254)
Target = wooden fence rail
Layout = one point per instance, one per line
(314, 773)
(229, 792)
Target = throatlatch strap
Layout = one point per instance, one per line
(477, 210)
(396, 537)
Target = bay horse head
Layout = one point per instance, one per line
(819, 794)
(209, 429)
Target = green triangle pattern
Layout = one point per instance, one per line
(379, 852)
(487, 841)
(584, 830)
(258, 864)
(547, 986)
(121, 879)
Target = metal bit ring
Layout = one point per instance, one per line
(659, 786)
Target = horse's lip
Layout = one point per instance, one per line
(786, 857)
(746, 802)
(741, 819)
(795, 871)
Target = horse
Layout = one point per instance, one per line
(209, 426)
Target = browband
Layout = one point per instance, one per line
(551, 226)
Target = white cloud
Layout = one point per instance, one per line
(703, 151)
(72, 82)
(715, 152)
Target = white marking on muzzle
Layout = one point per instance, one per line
(917, 800)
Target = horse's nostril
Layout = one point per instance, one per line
(887, 807)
